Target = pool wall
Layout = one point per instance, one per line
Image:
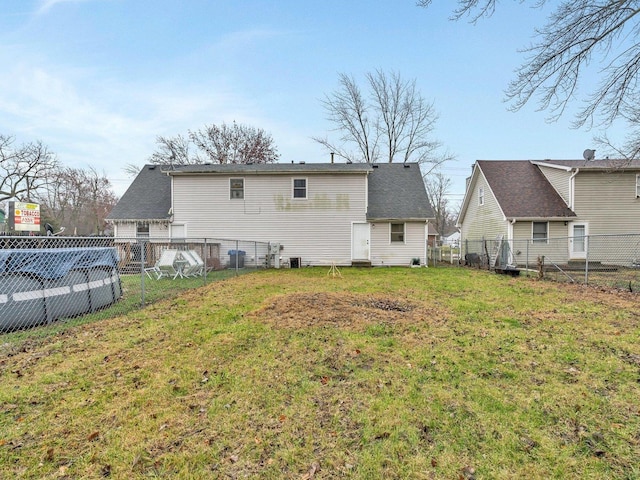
(40, 286)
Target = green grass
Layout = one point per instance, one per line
(383, 373)
(132, 299)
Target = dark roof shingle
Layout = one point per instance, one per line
(147, 198)
(397, 191)
(522, 191)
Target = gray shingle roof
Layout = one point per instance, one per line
(147, 198)
(522, 190)
(397, 191)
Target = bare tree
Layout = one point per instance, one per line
(578, 32)
(235, 143)
(23, 169)
(77, 199)
(393, 123)
(348, 110)
(172, 150)
(437, 186)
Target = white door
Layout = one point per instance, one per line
(360, 241)
(578, 241)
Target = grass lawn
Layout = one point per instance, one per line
(381, 373)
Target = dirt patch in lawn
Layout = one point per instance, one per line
(344, 310)
(605, 295)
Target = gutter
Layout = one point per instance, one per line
(572, 188)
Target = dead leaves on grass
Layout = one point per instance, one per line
(344, 310)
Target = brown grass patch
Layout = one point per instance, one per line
(343, 310)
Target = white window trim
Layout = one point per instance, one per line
(293, 188)
(171, 233)
(243, 187)
(404, 233)
(638, 185)
(480, 195)
(540, 240)
(140, 234)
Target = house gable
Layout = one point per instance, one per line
(148, 198)
(480, 214)
(522, 191)
(560, 179)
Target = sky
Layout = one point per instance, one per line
(98, 80)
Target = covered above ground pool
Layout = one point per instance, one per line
(39, 286)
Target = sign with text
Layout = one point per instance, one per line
(26, 217)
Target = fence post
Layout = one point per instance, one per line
(206, 261)
(255, 254)
(586, 260)
(237, 255)
(527, 256)
(143, 249)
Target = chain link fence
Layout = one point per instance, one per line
(606, 260)
(52, 281)
(450, 254)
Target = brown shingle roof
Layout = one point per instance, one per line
(522, 191)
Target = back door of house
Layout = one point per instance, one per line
(578, 241)
(360, 241)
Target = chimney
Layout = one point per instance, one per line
(331, 157)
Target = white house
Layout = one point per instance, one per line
(319, 213)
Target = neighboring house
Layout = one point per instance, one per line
(319, 213)
(452, 239)
(534, 201)
(432, 235)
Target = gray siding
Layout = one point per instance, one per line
(556, 249)
(560, 180)
(607, 201)
(482, 221)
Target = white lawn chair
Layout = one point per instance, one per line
(166, 265)
(153, 272)
(195, 265)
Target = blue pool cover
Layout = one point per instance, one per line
(56, 263)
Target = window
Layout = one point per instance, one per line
(481, 196)
(299, 188)
(142, 230)
(539, 231)
(236, 188)
(637, 186)
(397, 232)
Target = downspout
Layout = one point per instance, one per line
(572, 188)
(512, 259)
(426, 244)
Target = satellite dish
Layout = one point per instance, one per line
(589, 154)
